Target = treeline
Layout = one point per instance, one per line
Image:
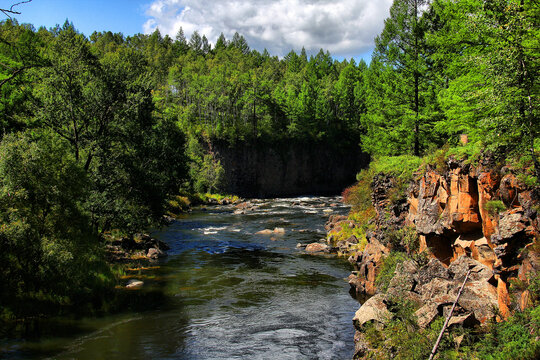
(233, 93)
(98, 131)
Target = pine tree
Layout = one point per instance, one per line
(402, 46)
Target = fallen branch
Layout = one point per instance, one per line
(436, 346)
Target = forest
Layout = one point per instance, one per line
(98, 132)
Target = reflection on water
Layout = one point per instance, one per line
(226, 293)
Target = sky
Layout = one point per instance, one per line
(346, 28)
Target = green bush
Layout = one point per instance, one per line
(494, 207)
(403, 239)
(402, 168)
(388, 269)
(516, 338)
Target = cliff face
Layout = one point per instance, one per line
(287, 169)
(465, 218)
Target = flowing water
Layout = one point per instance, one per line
(224, 292)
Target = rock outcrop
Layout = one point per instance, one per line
(465, 218)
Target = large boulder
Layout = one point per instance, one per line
(373, 310)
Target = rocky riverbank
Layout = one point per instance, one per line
(463, 218)
(136, 248)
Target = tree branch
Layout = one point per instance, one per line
(11, 11)
(434, 351)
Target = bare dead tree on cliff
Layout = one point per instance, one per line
(11, 10)
(436, 346)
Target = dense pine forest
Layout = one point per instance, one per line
(99, 131)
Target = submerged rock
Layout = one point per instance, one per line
(271, 232)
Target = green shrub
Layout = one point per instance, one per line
(516, 338)
(405, 238)
(494, 207)
(402, 168)
(388, 268)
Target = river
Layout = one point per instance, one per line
(224, 292)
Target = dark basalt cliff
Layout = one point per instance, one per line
(261, 169)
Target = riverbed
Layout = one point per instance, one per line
(224, 292)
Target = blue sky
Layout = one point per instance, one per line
(125, 16)
(346, 28)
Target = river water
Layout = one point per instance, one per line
(224, 292)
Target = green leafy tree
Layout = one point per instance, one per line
(492, 89)
(20, 53)
(49, 257)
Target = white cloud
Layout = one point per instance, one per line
(344, 27)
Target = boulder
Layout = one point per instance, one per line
(277, 230)
(316, 247)
(511, 225)
(154, 254)
(433, 269)
(467, 320)
(369, 264)
(404, 282)
(374, 310)
(426, 314)
(509, 189)
(134, 284)
(479, 272)
(332, 220)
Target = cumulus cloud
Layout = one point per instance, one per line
(344, 27)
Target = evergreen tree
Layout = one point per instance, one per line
(221, 43)
(195, 42)
(402, 46)
(239, 42)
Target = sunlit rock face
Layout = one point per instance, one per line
(452, 212)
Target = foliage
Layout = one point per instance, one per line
(205, 170)
(403, 109)
(402, 167)
(48, 254)
(346, 231)
(402, 339)
(516, 338)
(85, 152)
(359, 194)
(403, 239)
(388, 269)
(494, 207)
(492, 91)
